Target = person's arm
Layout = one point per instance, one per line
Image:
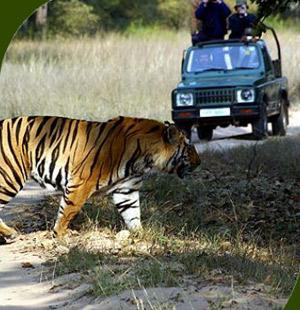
(225, 10)
(249, 20)
(230, 22)
(233, 26)
(201, 9)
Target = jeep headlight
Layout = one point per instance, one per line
(245, 95)
(184, 99)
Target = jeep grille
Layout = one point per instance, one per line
(215, 96)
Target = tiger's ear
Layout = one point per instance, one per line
(171, 134)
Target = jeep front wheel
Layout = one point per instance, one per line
(260, 126)
(279, 124)
(205, 133)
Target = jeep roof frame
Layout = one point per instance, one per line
(213, 42)
(276, 63)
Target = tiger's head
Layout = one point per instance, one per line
(176, 154)
(154, 146)
(184, 156)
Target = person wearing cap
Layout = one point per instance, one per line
(241, 20)
(213, 14)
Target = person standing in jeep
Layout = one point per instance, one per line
(241, 20)
(213, 15)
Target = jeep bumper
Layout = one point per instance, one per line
(234, 114)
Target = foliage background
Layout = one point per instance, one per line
(87, 17)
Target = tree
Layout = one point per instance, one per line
(272, 7)
(72, 18)
(41, 16)
(37, 22)
(85, 17)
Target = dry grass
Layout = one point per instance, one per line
(290, 44)
(104, 77)
(92, 78)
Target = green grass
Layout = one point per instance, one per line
(143, 274)
(112, 275)
(240, 268)
(282, 24)
(76, 261)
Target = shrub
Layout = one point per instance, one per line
(175, 14)
(72, 18)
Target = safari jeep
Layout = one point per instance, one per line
(231, 82)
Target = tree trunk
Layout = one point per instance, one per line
(41, 16)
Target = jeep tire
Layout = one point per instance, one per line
(205, 133)
(280, 122)
(260, 126)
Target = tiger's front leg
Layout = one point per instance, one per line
(71, 203)
(127, 202)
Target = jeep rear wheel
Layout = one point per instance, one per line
(205, 133)
(260, 126)
(279, 124)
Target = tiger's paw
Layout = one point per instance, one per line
(134, 225)
(7, 232)
(122, 235)
(2, 240)
(9, 238)
(59, 234)
(137, 232)
(136, 229)
(66, 233)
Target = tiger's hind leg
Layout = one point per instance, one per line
(14, 163)
(8, 189)
(6, 194)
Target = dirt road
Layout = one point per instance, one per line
(225, 138)
(22, 281)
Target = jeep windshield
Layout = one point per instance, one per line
(222, 58)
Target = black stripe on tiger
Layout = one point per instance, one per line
(10, 165)
(130, 163)
(117, 123)
(16, 160)
(42, 125)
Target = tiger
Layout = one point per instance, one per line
(80, 158)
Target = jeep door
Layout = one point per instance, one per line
(272, 86)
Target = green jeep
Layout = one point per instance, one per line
(231, 82)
